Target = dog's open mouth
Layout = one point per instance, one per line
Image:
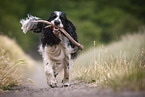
(56, 30)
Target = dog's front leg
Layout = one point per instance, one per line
(51, 81)
(66, 82)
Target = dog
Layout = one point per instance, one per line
(55, 46)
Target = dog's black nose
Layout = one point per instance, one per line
(56, 22)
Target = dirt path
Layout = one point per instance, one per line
(78, 89)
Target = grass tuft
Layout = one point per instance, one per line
(120, 64)
(10, 73)
(14, 63)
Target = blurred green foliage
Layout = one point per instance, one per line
(100, 20)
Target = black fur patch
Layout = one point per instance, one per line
(49, 38)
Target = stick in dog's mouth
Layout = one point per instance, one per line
(71, 39)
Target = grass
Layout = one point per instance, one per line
(14, 51)
(120, 64)
(14, 63)
(10, 73)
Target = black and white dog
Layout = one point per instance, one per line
(55, 47)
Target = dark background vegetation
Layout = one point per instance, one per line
(102, 21)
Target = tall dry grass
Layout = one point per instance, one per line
(120, 64)
(11, 73)
(14, 51)
(14, 63)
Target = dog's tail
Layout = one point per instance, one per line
(27, 24)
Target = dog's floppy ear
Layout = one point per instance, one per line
(27, 24)
(70, 28)
(51, 17)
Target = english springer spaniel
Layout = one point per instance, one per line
(55, 45)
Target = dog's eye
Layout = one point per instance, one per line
(54, 16)
(62, 16)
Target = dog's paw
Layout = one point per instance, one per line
(66, 84)
(53, 85)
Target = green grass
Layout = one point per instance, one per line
(14, 63)
(120, 64)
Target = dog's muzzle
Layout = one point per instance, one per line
(56, 22)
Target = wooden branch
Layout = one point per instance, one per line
(71, 39)
(42, 21)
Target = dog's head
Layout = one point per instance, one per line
(58, 19)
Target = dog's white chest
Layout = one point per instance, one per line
(56, 56)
